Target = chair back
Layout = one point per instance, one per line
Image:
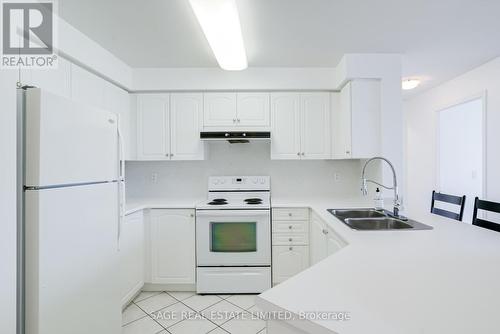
(451, 199)
(487, 206)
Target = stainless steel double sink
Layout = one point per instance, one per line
(375, 220)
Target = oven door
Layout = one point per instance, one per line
(233, 237)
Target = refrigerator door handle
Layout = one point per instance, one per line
(121, 192)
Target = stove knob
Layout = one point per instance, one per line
(222, 181)
(262, 181)
(216, 181)
(255, 181)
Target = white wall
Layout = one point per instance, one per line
(174, 79)
(421, 139)
(8, 201)
(78, 48)
(289, 178)
(387, 68)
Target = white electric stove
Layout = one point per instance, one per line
(233, 236)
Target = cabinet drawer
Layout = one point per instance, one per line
(291, 226)
(291, 214)
(290, 239)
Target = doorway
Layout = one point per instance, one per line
(461, 148)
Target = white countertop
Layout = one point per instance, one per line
(133, 205)
(442, 281)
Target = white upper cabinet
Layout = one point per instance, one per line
(315, 129)
(219, 109)
(356, 120)
(186, 110)
(168, 126)
(226, 111)
(300, 125)
(285, 125)
(153, 127)
(252, 109)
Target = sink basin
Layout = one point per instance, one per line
(375, 220)
(357, 213)
(385, 223)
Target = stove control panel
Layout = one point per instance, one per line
(239, 183)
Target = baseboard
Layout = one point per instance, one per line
(132, 294)
(168, 287)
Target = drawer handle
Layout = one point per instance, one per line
(290, 248)
(290, 239)
(325, 232)
(290, 227)
(289, 214)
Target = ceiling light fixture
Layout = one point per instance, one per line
(220, 23)
(408, 84)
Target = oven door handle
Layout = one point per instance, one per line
(233, 213)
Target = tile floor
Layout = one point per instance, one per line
(185, 312)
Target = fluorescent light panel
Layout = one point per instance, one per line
(220, 22)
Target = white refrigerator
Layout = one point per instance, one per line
(72, 207)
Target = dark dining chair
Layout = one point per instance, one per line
(451, 199)
(487, 206)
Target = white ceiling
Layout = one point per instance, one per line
(439, 39)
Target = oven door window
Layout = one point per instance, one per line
(233, 237)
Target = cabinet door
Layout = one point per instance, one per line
(153, 127)
(315, 126)
(131, 256)
(285, 126)
(253, 110)
(289, 261)
(365, 118)
(333, 242)
(318, 240)
(172, 246)
(185, 116)
(342, 125)
(219, 109)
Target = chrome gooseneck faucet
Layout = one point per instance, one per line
(364, 181)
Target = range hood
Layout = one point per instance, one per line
(235, 136)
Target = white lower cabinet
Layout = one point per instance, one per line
(290, 242)
(318, 244)
(131, 256)
(333, 242)
(324, 241)
(172, 246)
(289, 261)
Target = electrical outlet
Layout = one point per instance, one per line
(154, 177)
(336, 177)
